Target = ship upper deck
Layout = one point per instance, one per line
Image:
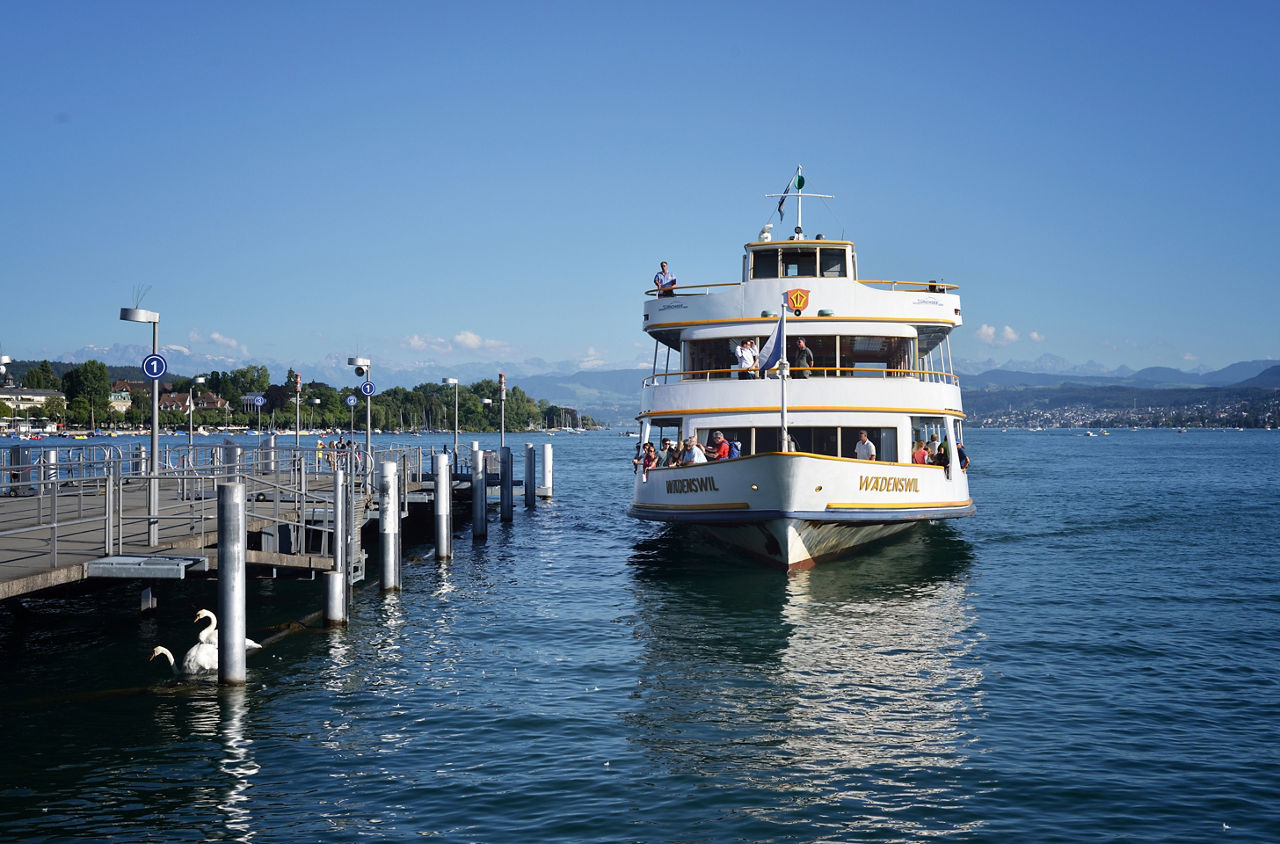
(826, 296)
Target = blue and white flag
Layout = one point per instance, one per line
(771, 351)
(782, 200)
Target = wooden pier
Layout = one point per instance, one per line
(63, 521)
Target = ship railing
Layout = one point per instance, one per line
(912, 286)
(689, 289)
(889, 284)
(685, 375)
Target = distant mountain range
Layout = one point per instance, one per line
(1154, 377)
(611, 396)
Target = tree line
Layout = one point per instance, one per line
(87, 389)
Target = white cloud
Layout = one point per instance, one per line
(592, 359)
(419, 343)
(1188, 356)
(224, 340)
(988, 334)
(1036, 337)
(471, 340)
(468, 339)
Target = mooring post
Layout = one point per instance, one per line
(479, 496)
(231, 459)
(530, 474)
(233, 543)
(389, 522)
(506, 484)
(444, 507)
(335, 582)
(545, 489)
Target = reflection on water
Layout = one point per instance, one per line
(238, 766)
(846, 684)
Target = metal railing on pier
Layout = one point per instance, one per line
(69, 503)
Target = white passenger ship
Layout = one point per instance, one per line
(798, 495)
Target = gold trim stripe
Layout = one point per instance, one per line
(774, 320)
(807, 408)
(843, 505)
(728, 505)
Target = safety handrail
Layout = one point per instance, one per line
(684, 376)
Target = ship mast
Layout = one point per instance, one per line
(797, 182)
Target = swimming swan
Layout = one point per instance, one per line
(202, 657)
(209, 635)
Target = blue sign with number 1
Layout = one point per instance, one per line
(154, 367)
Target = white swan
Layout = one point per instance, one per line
(209, 635)
(201, 657)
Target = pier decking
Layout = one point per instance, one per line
(67, 515)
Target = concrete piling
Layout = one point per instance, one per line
(479, 497)
(507, 484)
(530, 474)
(546, 487)
(335, 582)
(389, 524)
(233, 545)
(444, 507)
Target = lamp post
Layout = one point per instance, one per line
(363, 366)
(297, 410)
(454, 382)
(314, 404)
(191, 412)
(153, 469)
(5, 360)
(502, 394)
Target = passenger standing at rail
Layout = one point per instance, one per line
(804, 360)
(664, 281)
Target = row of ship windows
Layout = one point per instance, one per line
(832, 355)
(798, 263)
(832, 441)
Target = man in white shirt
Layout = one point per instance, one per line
(747, 365)
(693, 452)
(864, 450)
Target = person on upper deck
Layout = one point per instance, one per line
(803, 361)
(748, 364)
(664, 281)
(865, 449)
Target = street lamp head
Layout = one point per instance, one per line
(200, 379)
(138, 315)
(453, 381)
(357, 361)
(486, 401)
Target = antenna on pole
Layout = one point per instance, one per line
(797, 182)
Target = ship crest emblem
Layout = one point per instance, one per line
(797, 300)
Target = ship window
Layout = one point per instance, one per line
(764, 263)
(815, 440)
(884, 439)
(832, 263)
(875, 356)
(712, 359)
(824, 354)
(799, 262)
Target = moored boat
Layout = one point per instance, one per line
(851, 374)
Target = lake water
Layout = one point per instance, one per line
(1095, 656)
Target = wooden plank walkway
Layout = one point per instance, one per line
(187, 526)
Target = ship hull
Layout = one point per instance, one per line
(793, 510)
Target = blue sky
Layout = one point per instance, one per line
(431, 184)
